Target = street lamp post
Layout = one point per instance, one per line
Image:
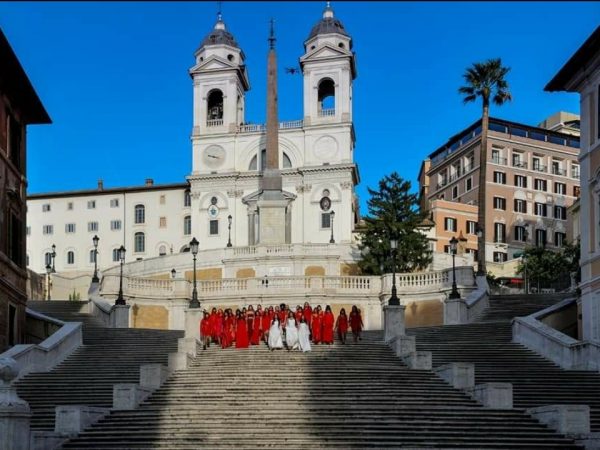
(120, 300)
(394, 300)
(173, 273)
(48, 272)
(95, 240)
(332, 216)
(194, 249)
(53, 254)
(229, 220)
(453, 247)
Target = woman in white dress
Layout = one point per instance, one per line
(304, 335)
(291, 332)
(275, 340)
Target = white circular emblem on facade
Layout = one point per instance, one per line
(326, 148)
(213, 211)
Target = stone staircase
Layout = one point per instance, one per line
(343, 396)
(505, 307)
(536, 381)
(108, 356)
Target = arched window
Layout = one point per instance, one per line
(92, 256)
(187, 198)
(140, 214)
(139, 242)
(215, 105)
(187, 225)
(286, 162)
(48, 259)
(326, 97)
(70, 257)
(162, 250)
(115, 255)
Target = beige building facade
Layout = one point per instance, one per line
(532, 179)
(581, 74)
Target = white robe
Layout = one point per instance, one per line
(304, 337)
(291, 334)
(275, 340)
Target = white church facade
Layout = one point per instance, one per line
(222, 203)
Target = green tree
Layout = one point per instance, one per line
(393, 212)
(485, 80)
(546, 267)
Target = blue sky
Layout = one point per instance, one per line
(113, 77)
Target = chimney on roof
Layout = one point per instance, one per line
(149, 182)
(100, 184)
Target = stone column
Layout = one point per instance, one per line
(393, 322)
(192, 322)
(455, 311)
(14, 411)
(119, 316)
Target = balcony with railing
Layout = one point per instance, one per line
(519, 163)
(214, 123)
(575, 173)
(327, 112)
(539, 168)
(559, 171)
(499, 160)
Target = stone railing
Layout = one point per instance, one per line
(327, 112)
(47, 354)
(261, 128)
(567, 352)
(435, 281)
(281, 249)
(214, 123)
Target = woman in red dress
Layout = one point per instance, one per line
(316, 329)
(241, 332)
(298, 314)
(307, 313)
(256, 328)
(227, 326)
(217, 326)
(212, 321)
(341, 325)
(250, 315)
(356, 323)
(205, 330)
(328, 321)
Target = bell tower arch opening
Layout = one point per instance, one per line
(215, 105)
(326, 97)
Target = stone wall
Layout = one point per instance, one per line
(150, 316)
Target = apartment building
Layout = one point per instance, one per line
(532, 178)
(19, 106)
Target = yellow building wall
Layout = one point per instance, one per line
(247, 272)
(205, 274)
(424, 313)
(314, 271)
(145, 316)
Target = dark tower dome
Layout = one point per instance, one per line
(328, 24)
(219, 36)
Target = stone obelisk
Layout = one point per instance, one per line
(272, 204)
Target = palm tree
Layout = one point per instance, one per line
(485, 80)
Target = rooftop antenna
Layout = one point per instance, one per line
(272, 35)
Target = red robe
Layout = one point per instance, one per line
(328, 321)
(355, 322)
(217, 326)
(317, 328)
(250, 323)
(342, 324)
(282, 317)
(307, 315)
(241, 334)
(205, 328)
(228, 332)
(256, 330)
(298, 315)
(265, 323)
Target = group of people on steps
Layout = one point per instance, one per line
(278, 326)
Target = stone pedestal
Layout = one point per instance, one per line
(119, 316)
(493, 395)
(393, 322)
(193, 316)
(73, 419)
(152, 376)
(178, 361)
(14, 411)
(272, 221)
(459, 375)
(418, 361)
(566, 419)
(188, 345)
(590, 315)
(127, 396)
(455, 311)
(404, 346)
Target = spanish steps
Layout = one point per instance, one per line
(343, 396)
(108, 356)
(488, 344)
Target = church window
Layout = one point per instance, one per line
(140, 214)
(326, 220)
(286, 162)
(230, 57)
(215, 105)
(187, 225)
(187, 198)
(213, 201)
(162, 250)
(341, 45)
(214, 227)
(71, 257)
(92, 256)
(325, 203)
(163, 199)
(116, 255)
(47, 259)
(162, 223)
(139, 242)
(326, 97)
